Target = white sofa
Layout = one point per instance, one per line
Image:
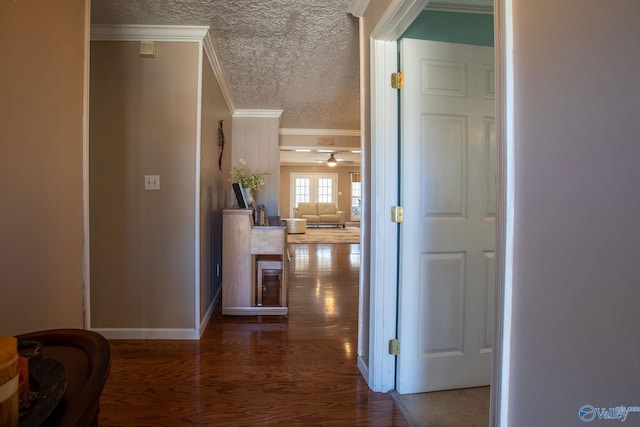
(320, 214)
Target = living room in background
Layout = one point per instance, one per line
(356, 196)
(313, 187)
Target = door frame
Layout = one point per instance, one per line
(381, 370)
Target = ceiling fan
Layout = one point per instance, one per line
(332, 161)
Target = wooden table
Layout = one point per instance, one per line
(86, 357)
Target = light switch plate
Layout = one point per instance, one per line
(152, 182)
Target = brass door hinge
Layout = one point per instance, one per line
(394, 347)
(397, 214)
(397, 80)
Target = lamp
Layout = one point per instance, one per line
(332, 161)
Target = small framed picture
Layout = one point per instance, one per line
(242, 202)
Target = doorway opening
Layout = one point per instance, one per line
(376, 364)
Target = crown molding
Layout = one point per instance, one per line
(358, 7)
(398, 16)
(319, 132)
(438, 6)
(212, 56)
(258, 113)
(160, 33)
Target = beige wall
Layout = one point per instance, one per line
(42, 45)
(574, 308)
(214, 187)
(143, 121)
(344, 185)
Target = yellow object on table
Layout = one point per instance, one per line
(9, 382)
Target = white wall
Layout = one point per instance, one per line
(577, 210)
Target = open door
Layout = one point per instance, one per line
(447, 241)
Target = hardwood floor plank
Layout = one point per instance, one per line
(258, 370)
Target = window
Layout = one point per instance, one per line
(301, 190)
(356, 196)
(325, 190)
(313, 187)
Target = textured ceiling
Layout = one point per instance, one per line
(299, 56)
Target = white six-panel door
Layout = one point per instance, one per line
(447, 240)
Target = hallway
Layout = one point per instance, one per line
(259, 370)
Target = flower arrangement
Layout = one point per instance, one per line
(240, 175)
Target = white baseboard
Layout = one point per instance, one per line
(207, 316)
(148, 333)
(159, 333)
(256, 311)
(364, 369)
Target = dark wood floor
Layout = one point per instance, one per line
(261, 370)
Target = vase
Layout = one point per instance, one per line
(248, 195)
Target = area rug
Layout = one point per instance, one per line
(326, 235)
